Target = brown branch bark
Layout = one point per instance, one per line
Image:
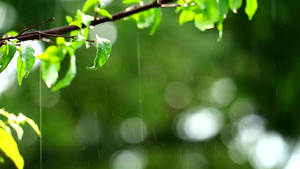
(97, 21)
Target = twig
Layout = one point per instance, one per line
(42, 23)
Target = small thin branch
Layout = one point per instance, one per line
(90, 40)
(169, 5)
(66, 29)
(53, 35)
(42, 23)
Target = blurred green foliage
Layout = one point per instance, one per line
(81, 124)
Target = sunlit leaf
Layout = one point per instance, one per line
(104, 12)
(235, 5)
(185, 16)
(26, 60)
(103, 47)
(83, 18)
(53, 54)
(251, 7)
(60, 41)
(131, 1)
(78, 41)
(18, 129)
(88, 4)
(11, 34)
(50, 73)
(21, 118)
(69, 19)
(208, 17)
(9, 148)
(76, 23)
(157, 20)
(71, 73)
(33, 125)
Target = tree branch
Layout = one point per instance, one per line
(97, 21)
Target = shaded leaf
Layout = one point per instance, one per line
(26, 60)
(9, 148)
(251, 7)
(1, 160)
(71, 73)
(235, 5)
(50, 73)
(9, 54)
(157, 20)
(103, 47)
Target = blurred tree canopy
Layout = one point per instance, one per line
(177, 99)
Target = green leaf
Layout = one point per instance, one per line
(235, 5)
(83, 18)
(53, 54)
(18, 129)
(145, 19)
(185, 16)
(2, 124)
(89, 3)
(208, 17)
(69, 19)
(78, 43)
(33, 125)
(251, 7)
(104, 12)
(9, 54)
(9, 148)
(50, 73)
(103, 52)
(157, 20)
(60, 41)
(4, 113)
(71, 73)
(76, 23)
(26, 60)
(131, 1)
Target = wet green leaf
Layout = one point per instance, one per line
(89, 3)
(71, 73)
(53, 54)
(235, 5)
(251, 7)
(26, 60)
(185, 16)
(76, 23)
(50, 73)
(104, 12)
(157, 20)
(10, 50)
(9, 148)
(69, 19)
(208, 17)
(103, 47)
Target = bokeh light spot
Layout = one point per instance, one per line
(200, 125)
(129, 159)
(178, 94)
(223, 91)
(133, 130)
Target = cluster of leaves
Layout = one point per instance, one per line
(55, 54)
(8, 146)
(208, 13)
(205, 14)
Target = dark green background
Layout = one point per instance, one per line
(261, 57)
